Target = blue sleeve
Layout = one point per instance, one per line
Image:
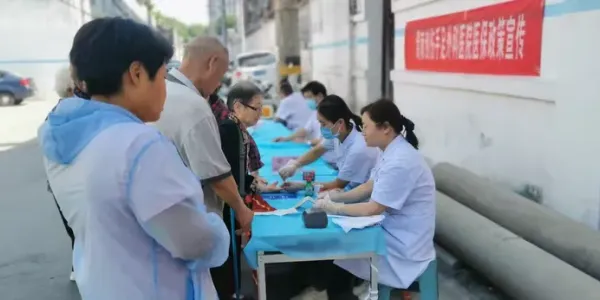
(168, 202)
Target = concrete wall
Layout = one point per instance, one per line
(262, 39)
(515, 130)
(360, 61)
(36, 37)
(114, 8)
(537, 133)
(331, 40)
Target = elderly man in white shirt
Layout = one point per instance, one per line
(189, 122)
(294, 111)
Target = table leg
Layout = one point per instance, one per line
(374, 288)
(262, 278)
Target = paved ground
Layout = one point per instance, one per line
(34, 249)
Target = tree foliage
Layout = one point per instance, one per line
(184, 31)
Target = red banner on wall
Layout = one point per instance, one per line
(501, 39)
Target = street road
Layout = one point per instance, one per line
(35, 254)
(34, 249)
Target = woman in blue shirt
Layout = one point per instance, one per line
(402, 188)
(340, 129)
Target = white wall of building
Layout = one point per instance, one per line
(262, 39)
(516, 131)
(331, 40)
(37, 36)
(119, 8)
(360, 61)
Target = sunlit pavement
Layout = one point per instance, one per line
(19, 123)
(34, 249)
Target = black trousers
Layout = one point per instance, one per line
(324, 275)
(224, 276)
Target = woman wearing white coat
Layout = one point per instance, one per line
(401, 188)
(340, 129)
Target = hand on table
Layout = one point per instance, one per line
(292, 186)
(261, 180)
(289, 169)
(330, 194)
(328, 206)
(281, 139)
(270, 188)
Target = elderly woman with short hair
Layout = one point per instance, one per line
(63, 84)
(64, 87)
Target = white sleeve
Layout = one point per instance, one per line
(356, 167)
(329, 145)
(393, 184)
(283, 111)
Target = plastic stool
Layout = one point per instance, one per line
(428, 285)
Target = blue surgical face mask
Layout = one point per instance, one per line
(312, 104)
(327, 133)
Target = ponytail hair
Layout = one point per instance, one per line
(333, 108)
(384, 112)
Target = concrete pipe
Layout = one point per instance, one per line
(570, 241)
(519, 268)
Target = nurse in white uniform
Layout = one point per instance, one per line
(141, 226)
(340, 129)
(293, 112)
(314, 92)
(401, 188)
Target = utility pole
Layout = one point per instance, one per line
(287, 37)
(82, 11)
(241, 24)
(224, 23)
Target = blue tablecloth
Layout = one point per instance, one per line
(287, 234)
(264, 134)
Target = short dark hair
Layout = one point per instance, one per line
(242, 92)
(286, 88)
(385, 111)
(333, 108)
(104, 49)
(315, 88)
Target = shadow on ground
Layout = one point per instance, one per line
(35, 257)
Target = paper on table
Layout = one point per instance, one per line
(349, 223)
(279, 212)
(286, 211)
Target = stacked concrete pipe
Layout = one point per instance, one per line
(519, 268)
(570, 241)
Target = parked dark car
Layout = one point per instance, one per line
(14, 88)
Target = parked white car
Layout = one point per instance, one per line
(259, 65)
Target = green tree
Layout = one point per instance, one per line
(184, 31)
(197, 30)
